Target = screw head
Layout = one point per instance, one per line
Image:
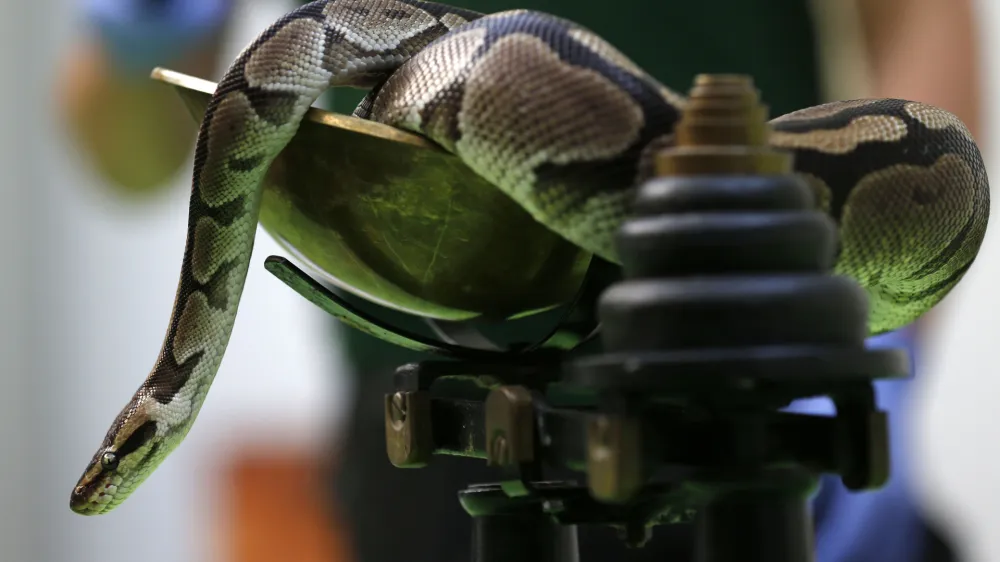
(398, 409)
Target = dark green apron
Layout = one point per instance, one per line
(772, 40)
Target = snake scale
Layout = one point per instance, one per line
(560, 121)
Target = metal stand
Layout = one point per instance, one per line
(726, 314)
(506, 528)
(756, 524)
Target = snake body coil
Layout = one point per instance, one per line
(560, 121)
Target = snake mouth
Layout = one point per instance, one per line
(79, 501)
(85, 501)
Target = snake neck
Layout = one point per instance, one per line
(253, 114)
(255, 111)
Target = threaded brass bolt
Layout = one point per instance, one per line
(723, 130)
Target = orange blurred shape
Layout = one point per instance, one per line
(279, 508)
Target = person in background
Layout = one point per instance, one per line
(138, 137)
(129, 127)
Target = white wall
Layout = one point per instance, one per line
(957, 410)
(17, 440)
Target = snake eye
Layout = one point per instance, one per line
(109, 461)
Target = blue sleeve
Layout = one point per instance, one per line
(880, 525)
(141, 34)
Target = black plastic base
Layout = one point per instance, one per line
(509, 529)
(767, 522)
(755, 527)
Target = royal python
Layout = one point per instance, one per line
(559, 120)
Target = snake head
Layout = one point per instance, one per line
(132, 448)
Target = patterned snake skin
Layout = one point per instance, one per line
(560, 121)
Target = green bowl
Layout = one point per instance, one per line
(396, 220)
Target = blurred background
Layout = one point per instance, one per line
(93, 244)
